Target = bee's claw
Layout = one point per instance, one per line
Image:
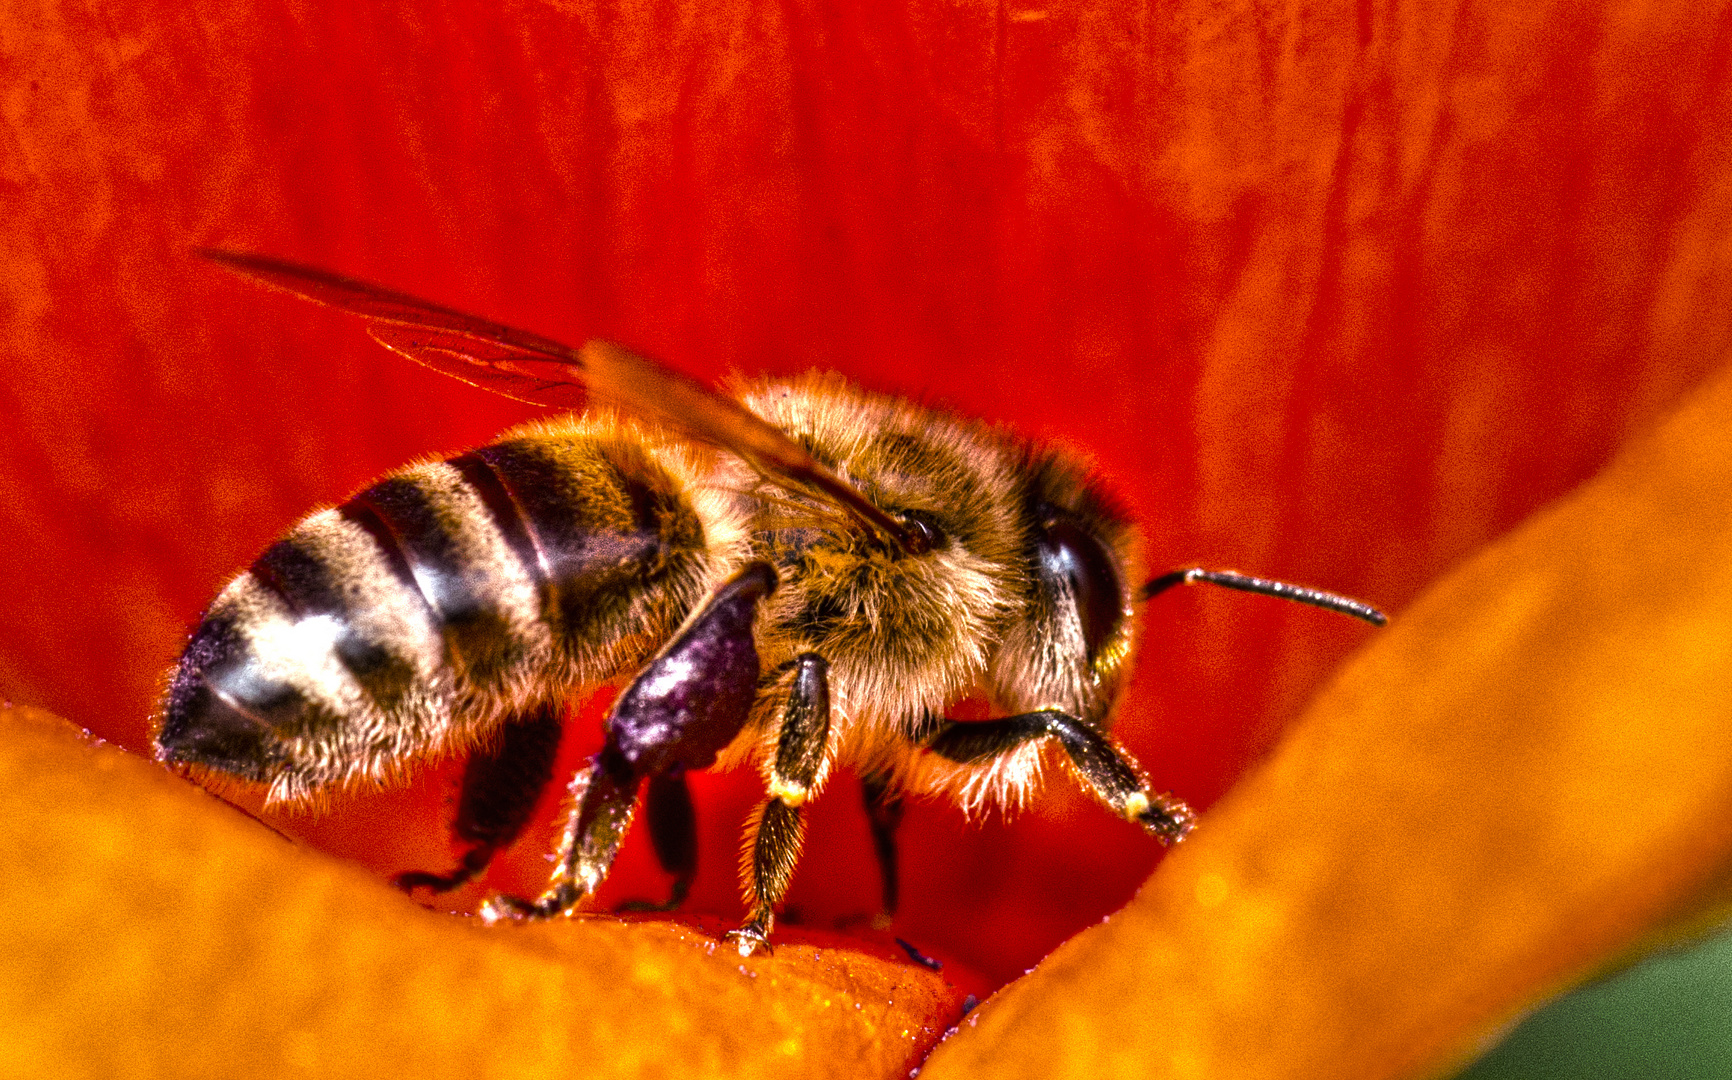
(410, 880)
(641, 906)
(501, 907)
(751, 939)
(1169, 819)
(682, 886)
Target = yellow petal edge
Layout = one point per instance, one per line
(1526, 776)
(151, 930)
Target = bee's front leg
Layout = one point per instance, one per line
(796, 773)
(1109, 772)
(681, 710)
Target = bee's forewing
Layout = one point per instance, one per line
(375, 302)
(493, 365)
(527, 367)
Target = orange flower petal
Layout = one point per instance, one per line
(153, 931)
(1527, 774)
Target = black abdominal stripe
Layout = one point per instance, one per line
(414, 616)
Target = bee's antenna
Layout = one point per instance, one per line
(1282, 589)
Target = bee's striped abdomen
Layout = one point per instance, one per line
(479, 596)
(605, 525)
(417, 614)
(297, 570)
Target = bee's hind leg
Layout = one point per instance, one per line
(686, 704)
(500, 787)
(605, 793)
(773, 844)
(673, 829)
(1108, 771)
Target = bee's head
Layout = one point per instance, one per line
(1070, 648)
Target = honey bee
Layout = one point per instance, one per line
(795, 576)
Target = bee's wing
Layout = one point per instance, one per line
(527, 367)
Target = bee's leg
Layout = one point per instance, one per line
(605, 793)
(884, 815)
(1108, 771)
(500, 787)
(773, 845)
(673, 828)
(687, 703)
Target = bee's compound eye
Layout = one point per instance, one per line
(1069, 553)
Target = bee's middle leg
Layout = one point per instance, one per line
(773, 846)
(884, 817)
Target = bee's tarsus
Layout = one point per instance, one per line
(1110, 773)
(505, 908)
(641, 906)
(1167, 819)
(914, 954)
(752, 939)
(410, 880)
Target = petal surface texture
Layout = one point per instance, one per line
(1529, 773)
